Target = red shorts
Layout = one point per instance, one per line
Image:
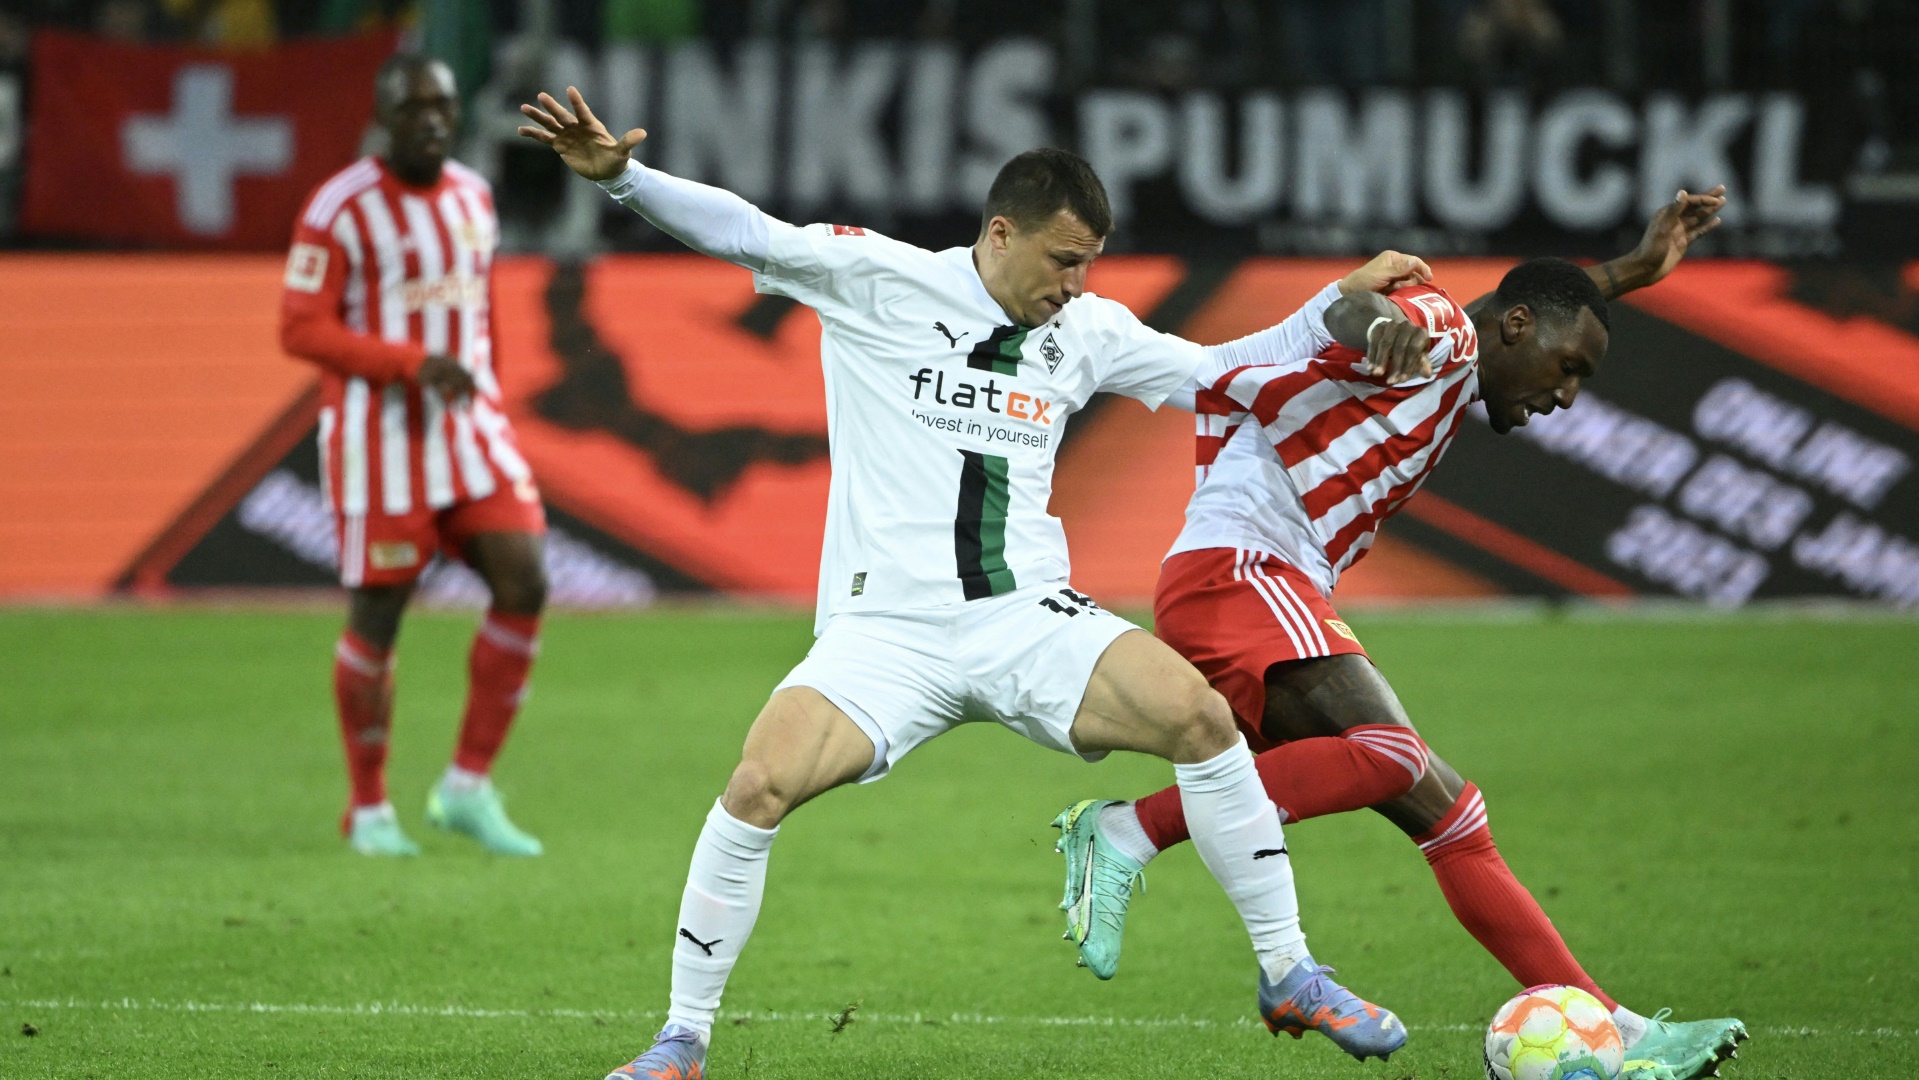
(392, 549)
(1233, 613)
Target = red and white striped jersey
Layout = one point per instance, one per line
(1306, 460)
(381, 275)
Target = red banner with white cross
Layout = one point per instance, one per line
(188, 147)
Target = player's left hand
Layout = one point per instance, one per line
(1387, 271)
(579, 137)
(1674, 227)
(1400, 350)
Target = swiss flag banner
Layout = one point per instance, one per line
(167, 146)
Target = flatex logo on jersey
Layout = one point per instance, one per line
(989, 408)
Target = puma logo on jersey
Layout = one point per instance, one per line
(1262, 853)
(952, 339)
(705, 946)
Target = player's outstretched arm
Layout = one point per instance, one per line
(1303, 333)
(710, 220)
(1669, 234)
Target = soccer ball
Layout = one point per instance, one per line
(1553, 1033)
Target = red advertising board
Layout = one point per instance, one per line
(175, 146)
(153, 438)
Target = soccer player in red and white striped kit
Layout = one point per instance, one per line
(388, 291)
(1300, 464)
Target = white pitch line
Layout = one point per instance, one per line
(469, 1012)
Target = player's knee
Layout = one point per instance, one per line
(756, 796)
(375, 613)
(1205, 727)
(522, 592)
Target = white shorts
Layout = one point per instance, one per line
(1022, 660)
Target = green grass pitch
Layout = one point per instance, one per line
(1718, 813)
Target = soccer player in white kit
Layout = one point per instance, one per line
(944, 594)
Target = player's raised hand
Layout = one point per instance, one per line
(579, 137)
(1674, 227)
(1400, 349)
(1387, 271)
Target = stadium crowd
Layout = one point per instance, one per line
(1626, 44)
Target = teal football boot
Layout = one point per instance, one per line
(479, 813)
(378, 833)
(1682, 1051)
(1100, 881)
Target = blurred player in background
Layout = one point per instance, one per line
(388, 291)
(1299, 466)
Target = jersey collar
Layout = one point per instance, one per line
(962, 260)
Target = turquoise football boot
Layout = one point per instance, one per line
(479, 813)
(1100, 881)
(677, 1054)
(1306, 1000)
(1682, 1051)
(378, 833)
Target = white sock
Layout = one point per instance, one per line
(1631, 1025)
(1236, 829)
(717, 912)
(363, 815)
(461, 782)
(1119, 824)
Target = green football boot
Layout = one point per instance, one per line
(1682, 1051)
(480, 814)
(1100, 880)
(378, 832)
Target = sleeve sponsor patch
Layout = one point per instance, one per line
(306, 267)
(848, 230)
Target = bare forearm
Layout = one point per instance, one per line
(1351, 318)
(1617, 277)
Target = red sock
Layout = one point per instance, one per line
(1310, 778)
(1491, 903)
(363, 692)
(497, 669)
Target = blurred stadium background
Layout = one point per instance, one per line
(1752, 437)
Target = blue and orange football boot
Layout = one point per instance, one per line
(677, 1053)
(1306, 1000)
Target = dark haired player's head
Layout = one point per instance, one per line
(1046, 219)
(1543, 332)
(416, 103)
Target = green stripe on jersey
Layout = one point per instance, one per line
(979, 529)
(999, 353)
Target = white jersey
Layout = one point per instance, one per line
(944, 418)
